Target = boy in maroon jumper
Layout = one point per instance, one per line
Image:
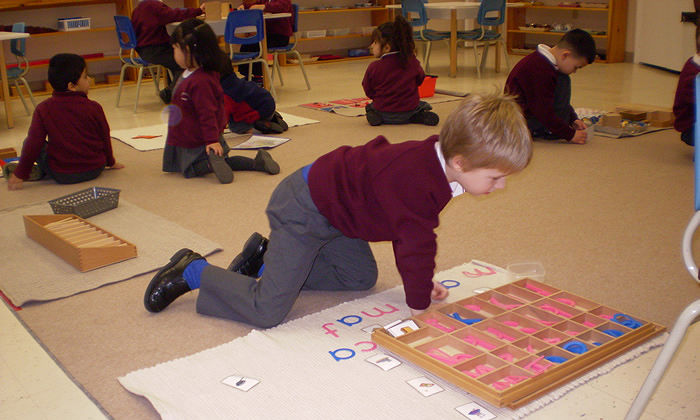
(150, 18)
(323, 216)
(79, 146)
(684, 102)
(542, 86)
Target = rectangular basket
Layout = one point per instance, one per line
(73, 24)
(86, 203)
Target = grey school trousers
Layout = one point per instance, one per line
(304, 252)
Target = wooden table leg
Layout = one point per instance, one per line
(5, 88)
(266, 83)
(453, 43)
(498, 50)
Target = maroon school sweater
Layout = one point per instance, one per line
(387, 192)
(684, 103)
(280, 26)
(533, 81)
(150, 17)
(77, 131)
(197, 115)
(391, 87)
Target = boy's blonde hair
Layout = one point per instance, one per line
(489, 131)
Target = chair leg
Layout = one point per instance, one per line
(476, 60)
(121, 83)
(21, 97)
(29, 91)
(687, 317)
(276, 65)
(156, 78)
(250, 71)
(505, 53)
(303, 70)
(138, 88)
(267, 76)
(484, 55)
(426, 57)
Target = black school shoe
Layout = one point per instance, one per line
(249, 261)
(426, 118)
(168, 284)
(220, 168)
(166, 95)
(265, 163)
(277, 118)
(268, 127)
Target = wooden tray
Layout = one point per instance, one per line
(511, 339)
(80, 243)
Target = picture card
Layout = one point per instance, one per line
(474, 411)
(260, 142)
(383, 361)
(401, 327)
(242, 383)
(425, 386)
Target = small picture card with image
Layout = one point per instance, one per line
(383, 361)
(425, 386)
(401, 327)
(240, 382)
(474, 411)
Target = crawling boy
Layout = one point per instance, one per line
(323, 216)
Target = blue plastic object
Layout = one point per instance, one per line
(556, 359)
(575, 347)
(626, 320)
(612, 332)
(468, 321)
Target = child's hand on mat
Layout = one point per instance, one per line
(439, 292)
(216, 147)
(579, 125)
(579, 137)
(14, 183)
(116, 165)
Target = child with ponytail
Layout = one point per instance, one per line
(196, 119)
(392, 81)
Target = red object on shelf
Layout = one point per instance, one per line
(46, 61)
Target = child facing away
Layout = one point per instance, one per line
(323, 216)
(392, 81)
(542, 86)
(684, 102)
(150, 18)
(196, 119)
(79, 146)
(248, 105)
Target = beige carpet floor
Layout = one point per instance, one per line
(605, 220)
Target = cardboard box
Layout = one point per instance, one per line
(633, 114)
(80, 243)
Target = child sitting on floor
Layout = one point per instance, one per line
(323, 216)
(392, 81)
(542, 86)
(684, 102)
(196, 120)
(79, 146)
(248, 105)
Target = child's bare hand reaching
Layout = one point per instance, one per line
(439, 292)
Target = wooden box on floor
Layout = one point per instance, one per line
(501, 345)
(80, 243)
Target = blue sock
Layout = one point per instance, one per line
(262, 268)
(193, 273)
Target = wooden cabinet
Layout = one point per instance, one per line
(98, 44)
(607, 22)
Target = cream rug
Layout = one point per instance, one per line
(31, 272)
(153, 137)
(318, 367)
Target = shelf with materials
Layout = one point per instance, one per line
(613, 18)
